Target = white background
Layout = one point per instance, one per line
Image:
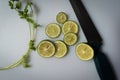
(14, 36)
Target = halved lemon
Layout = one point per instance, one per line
(61, 49)
(61, 17)
(69, 26)
(84, 51)
(70, 38)
(53, 30)
(46, 48)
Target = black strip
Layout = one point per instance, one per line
(86, 23)
(103, 66)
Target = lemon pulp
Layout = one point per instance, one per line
(70, 38)
(69, 26)
(84, 51)
(46, 49)
(61, 17)
(61, 49)
(53, 30)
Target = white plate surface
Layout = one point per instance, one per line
(14, 36)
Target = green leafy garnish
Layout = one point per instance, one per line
(27, 14)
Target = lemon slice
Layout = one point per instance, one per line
(53, 30)
(84, 51)
(69, 26)
(61, 17)
(46, 49)
(70, 38)
(61, 49)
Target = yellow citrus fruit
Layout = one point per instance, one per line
(46, 48)
(61, 17)
(53, 30)
(69, 26)
(61, 49)
(84, 51)
(70, 38)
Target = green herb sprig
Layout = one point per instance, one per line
(27, 14)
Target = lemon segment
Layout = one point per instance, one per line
(53, 30)
(61, 49)
(61, 17)
(84, 51)
(70, 38)
(46, 49)
(69, 26)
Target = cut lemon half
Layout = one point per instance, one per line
(84, 51)
(61, 49)
(53, 30)
(70, 38)
(46, 49)
(61, 17)
(69, 26)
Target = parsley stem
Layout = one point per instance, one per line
(18, 62)
(12, 65)
(25, 14)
